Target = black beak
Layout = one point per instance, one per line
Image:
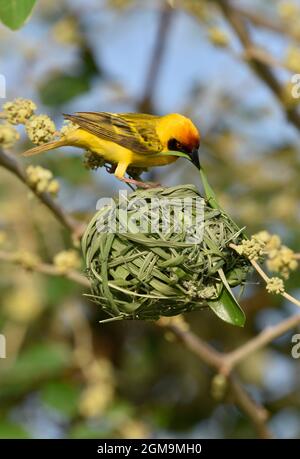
(195, 158)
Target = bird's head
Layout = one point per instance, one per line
(178, 133)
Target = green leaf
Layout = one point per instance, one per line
(174, 153)
(209, 192)
(210, 196)
(61, 88)
(62, 397)
(227, 308)
(72, 170)
(34, 365)
(58, 288)
(13, 13)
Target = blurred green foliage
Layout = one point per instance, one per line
(67, 376)
(13, 14)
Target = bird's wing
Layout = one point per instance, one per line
(131, 130)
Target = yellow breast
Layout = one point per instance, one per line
(114, 153)
(110, 151)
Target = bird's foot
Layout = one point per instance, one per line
(140, 184)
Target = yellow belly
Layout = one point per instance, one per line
(114, 153)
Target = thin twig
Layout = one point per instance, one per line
(262, 56)
(262, 70)
(266, 278)
(10, 163)
(202, 350)
(255, 412)
(72, 275)
(232, 359)
(145, 104)
(261, 20)
(48, 269)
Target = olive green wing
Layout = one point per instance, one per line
(131, 130)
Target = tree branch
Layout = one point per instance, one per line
(10, 163)
(255, 412)
(261, 69)
(47, 269)
(260, 20)
(166, 14)
(266, 278)
(232, 359)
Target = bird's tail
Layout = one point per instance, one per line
(45, 147)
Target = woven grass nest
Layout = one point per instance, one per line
(138, 275)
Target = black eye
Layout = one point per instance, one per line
(174, 145)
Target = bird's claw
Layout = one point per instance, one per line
(140, 184)
(148, 185)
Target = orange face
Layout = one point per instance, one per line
(178, 133)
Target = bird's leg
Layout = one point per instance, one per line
(140, 184)
(120, 172)
(135, 174)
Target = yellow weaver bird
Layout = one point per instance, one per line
(130, 139)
